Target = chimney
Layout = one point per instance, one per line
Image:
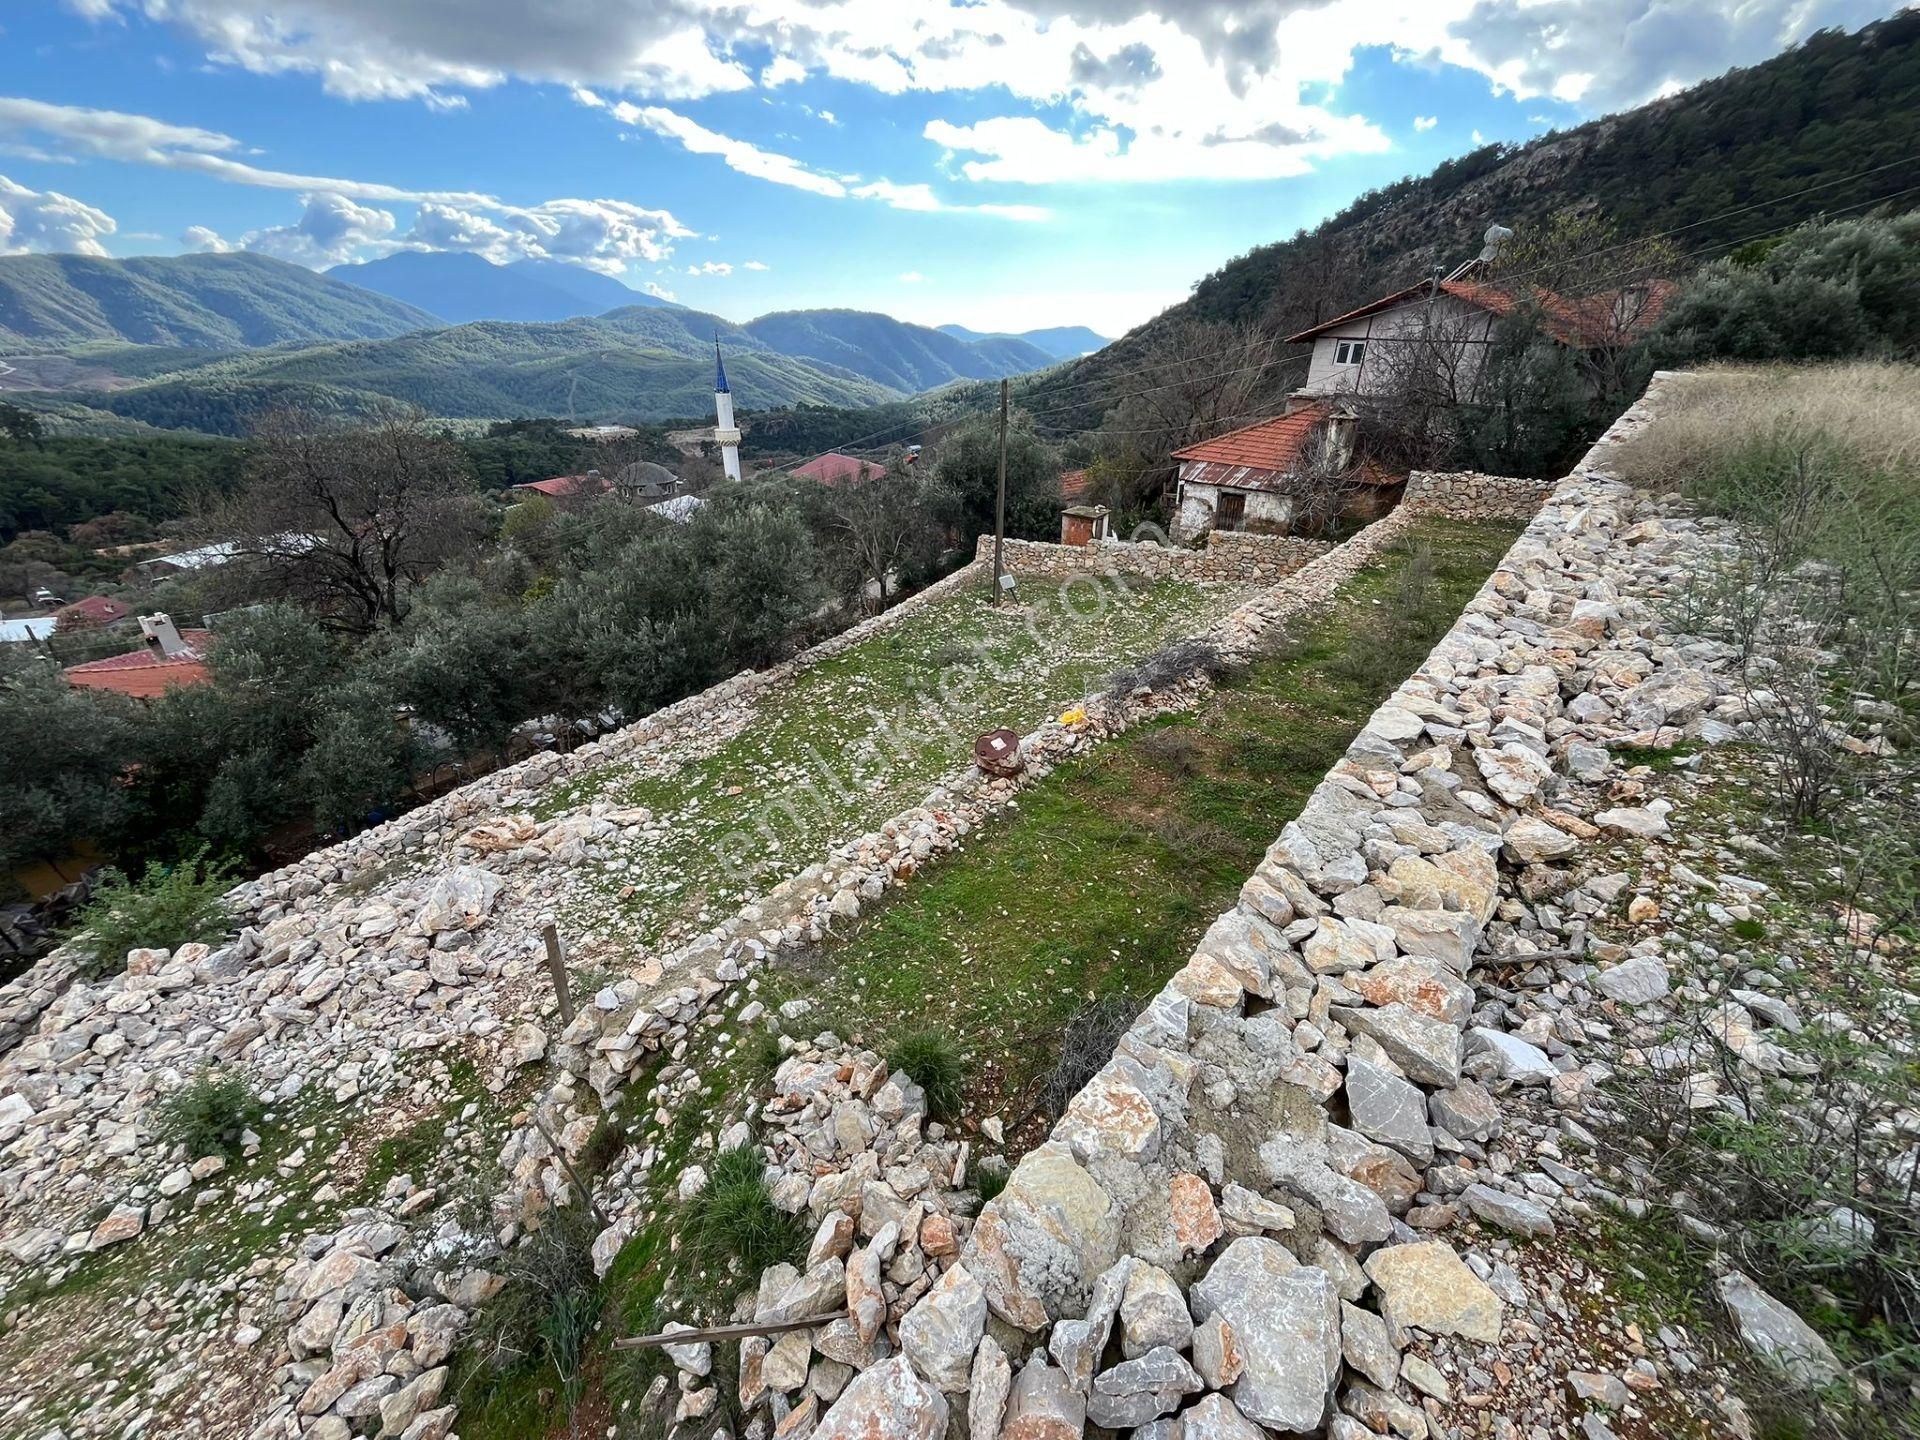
(162, 635)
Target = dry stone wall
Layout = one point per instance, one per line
(1468, 495)
(1231, 558)
(1233, 1226)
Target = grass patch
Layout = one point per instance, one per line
(733, 1221)
(866, 733)
(934, 1063)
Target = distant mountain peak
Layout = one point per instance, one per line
(461, 287)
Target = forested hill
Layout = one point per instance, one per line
(903, 357)
(1819, 115)
(629, 364)
(209, 301)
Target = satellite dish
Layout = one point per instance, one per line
(1496, 236)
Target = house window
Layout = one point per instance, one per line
(1348, 352)
(1231, 513)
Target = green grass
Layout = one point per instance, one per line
(933, 1062)
(862, 736)
(1097, 883)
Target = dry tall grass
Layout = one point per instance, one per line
(1870, 407)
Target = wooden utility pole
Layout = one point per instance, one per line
(1000, 502)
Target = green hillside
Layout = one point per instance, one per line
(634, 364)
(209, 301)
(1816, 116)
(890, 352)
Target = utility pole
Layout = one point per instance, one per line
(1000, 503)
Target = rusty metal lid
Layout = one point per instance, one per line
(998, 752)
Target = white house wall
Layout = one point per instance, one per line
(1386, 329)
(1265, 510)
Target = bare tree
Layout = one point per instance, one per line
(1195, 381)
(1327, 479)
(1418, 380)
(345, 519)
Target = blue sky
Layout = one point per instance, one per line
(1000, 163)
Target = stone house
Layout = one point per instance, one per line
(1258, 478)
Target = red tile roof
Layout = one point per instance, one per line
(1269, 445)
(145, 673)
(838, 469)
(1075, 486)
(1583, 321)
(94, 610)
(566, 487)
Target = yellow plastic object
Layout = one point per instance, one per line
(1075, 716)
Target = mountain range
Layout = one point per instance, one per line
(207, 341)
(213, 301)
(1062, 342)
(636, 363)
(460, 287)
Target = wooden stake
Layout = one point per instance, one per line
(1000, 503)
(721, 1332)
(560, 1154)
(557, 969)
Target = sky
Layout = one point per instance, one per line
(1002, 164)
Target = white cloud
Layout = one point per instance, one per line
(741, 155)
(778, 169)
(1425, 122)
(603, 235)
(784, 70)
(912, 277)
(658, 291)
(710, 267)
(46, 220)
(1189, 67)
(1478, 138)
(756, 265)
(202, 240)
(330, 231)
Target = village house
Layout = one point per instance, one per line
(838, 469)
(1266, 477)
(169, 657)
(95, 612)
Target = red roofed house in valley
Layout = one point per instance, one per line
(1254, 478)
(839, 470)
(568, 487)
(170, 657)
(94, 612)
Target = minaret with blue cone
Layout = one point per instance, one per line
(725, 435)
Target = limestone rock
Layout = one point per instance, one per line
(1042, 1406)
(1775, 1334)
(886, 1402)
(1426, 1286)
(940, 1334)
(1286, 1317)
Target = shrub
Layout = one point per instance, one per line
(1177, 662)
(934, 1063)
(209, 1114)
(170, 906)
(1086, 1045)
(734, 1220)
(549, 1302)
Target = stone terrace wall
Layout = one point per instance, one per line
(1468, 495)
(1293, 1089)
(1237, 558)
